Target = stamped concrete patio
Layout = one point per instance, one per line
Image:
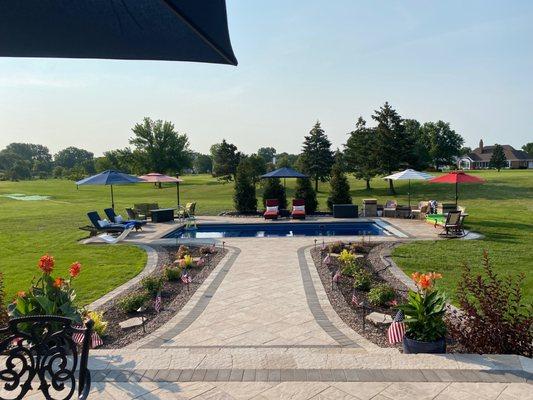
(261, 327)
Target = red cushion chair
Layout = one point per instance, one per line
(298, 209)
(272, 213)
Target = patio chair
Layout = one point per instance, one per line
(298, 209)
(272, 209)
(143, 210)
(98, 227)
(453, 226)
(390, 208)
(40, 353)
(110, 213)
(188, 211)
(421, 211)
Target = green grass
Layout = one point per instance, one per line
(501, 209)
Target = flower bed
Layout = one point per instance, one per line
(173, 291)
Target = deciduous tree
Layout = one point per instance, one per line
(267, 153)
(226, 158)
(72, 157)
(528, 148)
(444, 144)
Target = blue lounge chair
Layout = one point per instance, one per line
(110, 213)
(94, 217)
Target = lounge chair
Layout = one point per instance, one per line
(110, 239)
(453, 226)
(390, 208)
(188, 211)
(298, 209)
(110, 213)
(97, 227)
(272, 209)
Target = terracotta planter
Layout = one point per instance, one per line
(412, 346)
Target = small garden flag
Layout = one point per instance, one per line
(337, 276)
(157, 304)
(396, 329)
(186, 279)
(78, 337)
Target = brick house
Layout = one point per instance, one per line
(480, 158)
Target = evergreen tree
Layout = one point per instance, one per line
(498, 159)
(392, 142)
(274, 190)
(317, 157)
(304, 190)
(244, 195)
(340, 189)
(360, 152)
(225, 159)
(257, 168)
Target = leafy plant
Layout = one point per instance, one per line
(182, 252)
(48, 295)
(346, 257)
(362, 280)
(208, 250)
(152, 284)
(381, 294)
(132, 302)
(186, 262)
(425, 309)
(100, 324)
(172, 273)
(493, 317)
(336, 247)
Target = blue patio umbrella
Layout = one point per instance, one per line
(174, 30)
(110, 177)
(284, 172)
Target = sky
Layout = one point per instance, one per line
(468, 63)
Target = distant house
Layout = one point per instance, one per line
(480, 158)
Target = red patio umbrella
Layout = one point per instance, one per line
(456, 177)
(155, 177)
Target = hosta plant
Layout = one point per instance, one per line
(425, 309)
(48, 295)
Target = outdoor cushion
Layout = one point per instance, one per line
(272, 209)
(298, 208)
(119, 219)
(103, 223)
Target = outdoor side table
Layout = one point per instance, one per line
(162, 215)
(284, 213)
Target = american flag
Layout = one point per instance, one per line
(355, 300)
(327, 260)
(337, 276)
(186, 279)
(78, 337)
(396, 329)
(157, 303)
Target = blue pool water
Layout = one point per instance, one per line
(213, 231)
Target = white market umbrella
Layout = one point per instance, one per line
(409, 174)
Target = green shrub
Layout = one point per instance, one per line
(350, 269)
(362, 280)
(304, 190)
(274, 190)
(381, 294)
(132, 302)
(152, 284)
(100, 324)
(172, 274)
(340, 189)
(244, 192)
(182, 252)
(336, 247)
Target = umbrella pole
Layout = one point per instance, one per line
(178, 192)
(112, 199)
(456, 193)
(409, 194)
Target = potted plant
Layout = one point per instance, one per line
(424, 316)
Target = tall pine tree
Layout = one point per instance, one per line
(360, 152)
(317, 157)
(244, 195)
(498, 159)
(392, 142)
(304, 190)
(340, 189)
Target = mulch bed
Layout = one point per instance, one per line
(340, 295)
(173, 297)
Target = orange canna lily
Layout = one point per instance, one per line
(58, 282)
(46, 264)
(74, 269)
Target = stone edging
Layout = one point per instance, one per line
(151, 265)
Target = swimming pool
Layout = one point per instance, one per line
(213, 231)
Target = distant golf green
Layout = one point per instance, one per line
(501, 209)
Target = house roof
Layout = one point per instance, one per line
(485, 153)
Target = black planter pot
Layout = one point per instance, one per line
(412, 346)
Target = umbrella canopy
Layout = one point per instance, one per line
(174, 30)
(456, 177)
(409, 174)
(160, 178)
(284, 173)
(110, 177)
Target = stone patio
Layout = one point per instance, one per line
(261, 327)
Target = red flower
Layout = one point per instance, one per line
(46, 264)
(74, 269)
(21, 294)
(58, 282)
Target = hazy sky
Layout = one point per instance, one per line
(466, 62)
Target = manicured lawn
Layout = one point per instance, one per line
(500, 209)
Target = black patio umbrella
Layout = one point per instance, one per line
(174, 30)
(284, 172)
(110, 178)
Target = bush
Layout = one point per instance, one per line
(152, 284)
(493, 317)
(352, 268)
(132, 302)
(304, 190)
(244, 193)
(336, 247)
(381, 294)
(172, 274)
(340, 189)
(275, 190)
(208, 250)
(362, 280)
(100, 324)
(182, 252)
